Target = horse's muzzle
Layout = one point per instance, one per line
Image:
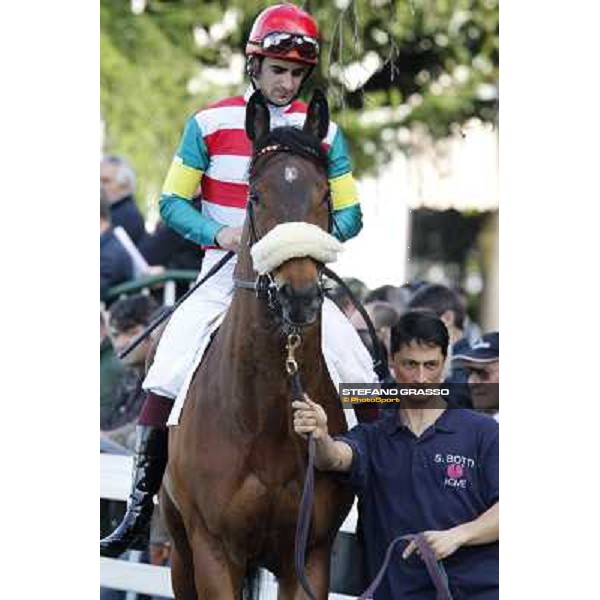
(300, 306)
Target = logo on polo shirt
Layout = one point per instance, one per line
(456, 470)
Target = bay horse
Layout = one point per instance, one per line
(234, 479)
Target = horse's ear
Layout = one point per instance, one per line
(258, 119)
(317, 116)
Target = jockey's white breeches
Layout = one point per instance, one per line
(188, 332)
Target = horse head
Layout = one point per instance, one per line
(289, 209)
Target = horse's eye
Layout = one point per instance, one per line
(253, 197)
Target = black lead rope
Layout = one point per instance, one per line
(304, 511)
(167, 313)
(433, 566)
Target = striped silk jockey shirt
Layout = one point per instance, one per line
(214, 153)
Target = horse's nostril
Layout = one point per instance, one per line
(300, 304)
(286, 291)
(307, 295)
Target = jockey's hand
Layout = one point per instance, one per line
(443, 543)
(309, 417)
(229, 238)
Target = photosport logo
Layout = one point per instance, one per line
(352, 394)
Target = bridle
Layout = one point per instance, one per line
(265, 286)
(254, 197)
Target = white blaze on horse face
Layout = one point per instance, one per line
(290, 174)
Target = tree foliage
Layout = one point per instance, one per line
(387, 65)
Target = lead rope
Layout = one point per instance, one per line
(434, 567)
(304, 511)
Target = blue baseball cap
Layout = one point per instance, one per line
(486, 349)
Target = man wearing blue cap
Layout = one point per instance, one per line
(482, 361)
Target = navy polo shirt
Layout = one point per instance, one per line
(409, 484)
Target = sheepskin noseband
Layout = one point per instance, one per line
(293, 240)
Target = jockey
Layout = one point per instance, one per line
(214, 153)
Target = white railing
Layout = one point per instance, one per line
(133, 576)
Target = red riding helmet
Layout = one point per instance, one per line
(285, 31)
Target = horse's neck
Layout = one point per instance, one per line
(260, 394)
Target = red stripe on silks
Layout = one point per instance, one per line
(224, 192)
(228, 141)
(234, 142)
(235, 101)
(297, 106)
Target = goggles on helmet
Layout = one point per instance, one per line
(282, 43)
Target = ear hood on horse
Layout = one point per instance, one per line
(293, 240)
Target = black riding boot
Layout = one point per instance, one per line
(149, 467)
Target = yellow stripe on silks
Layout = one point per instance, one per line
(343, 191)
(182, 180)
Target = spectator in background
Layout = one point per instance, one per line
(115, 263)
(447, 305)
(112, 369)
(339, 295)
(364, 414)
(410, 288)
(128, 318)
(114, 377)
(482, 361)
(117, 181)
(357, 287)
(165, 247)
(384, 305)
(383, 316)
(392, 295)
(471, 330)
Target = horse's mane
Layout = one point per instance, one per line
(294, 140)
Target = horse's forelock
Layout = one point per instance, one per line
(298, 141)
